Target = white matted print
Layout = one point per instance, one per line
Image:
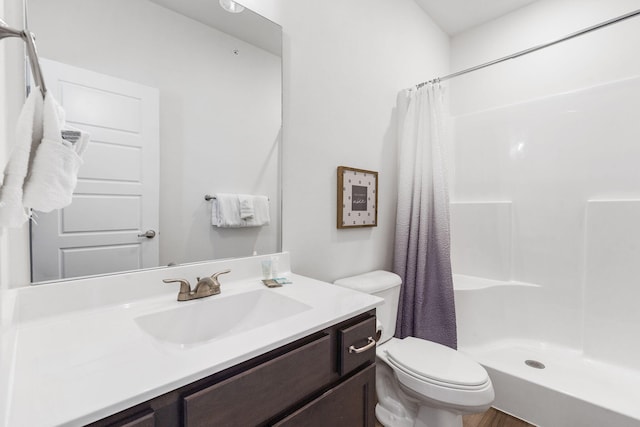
(357, 198)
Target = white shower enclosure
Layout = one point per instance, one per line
(545, 227)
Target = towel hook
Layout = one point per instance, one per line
(32, 52)
(29, 39)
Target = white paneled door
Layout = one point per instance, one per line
(116, 200)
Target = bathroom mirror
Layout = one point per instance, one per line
(181, 99)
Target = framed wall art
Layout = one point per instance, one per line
(357, 198)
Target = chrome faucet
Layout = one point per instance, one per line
(205, 287)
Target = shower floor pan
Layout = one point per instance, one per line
(569, 391)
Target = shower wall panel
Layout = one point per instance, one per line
(612, 281)
(549, 156)
(482, 237)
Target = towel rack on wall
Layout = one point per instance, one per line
(30, 40)
(209, 197)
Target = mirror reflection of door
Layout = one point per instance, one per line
(219, 77)
(115, 201)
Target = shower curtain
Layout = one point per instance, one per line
(422, 243)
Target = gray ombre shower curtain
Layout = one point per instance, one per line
(422, 243)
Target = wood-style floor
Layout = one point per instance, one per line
(491, 418)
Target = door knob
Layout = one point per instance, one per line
(149, 234)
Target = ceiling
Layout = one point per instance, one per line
(456, 16)
(247, 25)
(453, 16)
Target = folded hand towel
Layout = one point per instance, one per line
(54, 172)
(246, 206)
(226, 208)
(260, 212)
(28, 134)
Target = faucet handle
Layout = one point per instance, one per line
(214, 276)
(183, 282)
(185, 288)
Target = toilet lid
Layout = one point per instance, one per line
(437, 362)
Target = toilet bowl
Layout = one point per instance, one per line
(419, 383)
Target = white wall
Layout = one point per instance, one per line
(4, 278)
(581, 62)
(14, 244)
(549, 132)
(344, 63)
(4, 243)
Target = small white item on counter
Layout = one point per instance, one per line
(267, 269)
(274, 266)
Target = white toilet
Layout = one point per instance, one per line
(419, 383)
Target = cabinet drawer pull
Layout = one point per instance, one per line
(370, 344)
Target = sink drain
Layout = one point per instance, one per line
(534, 364)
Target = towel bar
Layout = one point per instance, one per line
(32, 52)
(209, 197)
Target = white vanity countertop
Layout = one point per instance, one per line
(64, 362)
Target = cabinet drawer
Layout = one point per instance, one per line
(128, 418)
(351, 404)
(260, 393)
(351, 341)
(146, 420)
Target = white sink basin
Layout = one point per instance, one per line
(219, 316)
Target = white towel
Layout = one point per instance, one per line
(225, 211)
(260, 212)
(246, 206)
(28, 134)
(54, 172)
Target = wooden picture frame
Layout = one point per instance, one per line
(357, 198)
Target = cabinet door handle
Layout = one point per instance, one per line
(370, 344)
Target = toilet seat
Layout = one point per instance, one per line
(429, 372)
(437, 364)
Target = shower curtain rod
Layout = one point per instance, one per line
(534, 49)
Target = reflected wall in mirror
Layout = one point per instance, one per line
(181, 99)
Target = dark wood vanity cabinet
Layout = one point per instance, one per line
(315, 381)
(350, 403)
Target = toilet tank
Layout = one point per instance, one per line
(385, 285)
